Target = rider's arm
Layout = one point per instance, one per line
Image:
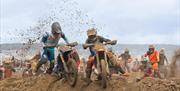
(87, 41)
(104, 39)
(44, 38)
(65, 38)
(157, 56)
(145, 55)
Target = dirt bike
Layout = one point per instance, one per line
(68, 56)
(102, 60)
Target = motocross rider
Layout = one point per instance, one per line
(126, 57)
(93, 38)
(153, 56)
(50, 41)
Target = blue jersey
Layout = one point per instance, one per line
(50, 41)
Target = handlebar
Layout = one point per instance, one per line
(113, 42)
(73, 44)
(87, 45)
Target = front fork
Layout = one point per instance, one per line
(64, 63)
(99, 69)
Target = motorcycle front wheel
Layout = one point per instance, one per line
(103, 74)
(73, 72)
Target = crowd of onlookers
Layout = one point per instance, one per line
(10, 65)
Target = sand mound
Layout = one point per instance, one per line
(50, 83)
(152, 84)
(36, 83)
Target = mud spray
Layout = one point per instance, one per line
(73, 20)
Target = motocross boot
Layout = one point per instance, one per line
(49, 71)
(39, 64)
(88, 76)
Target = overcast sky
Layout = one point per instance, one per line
(128, 21)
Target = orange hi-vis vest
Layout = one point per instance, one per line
(154, 58)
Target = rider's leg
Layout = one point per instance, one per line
(117, 65)
(123, 66)
(127, 67)
(51, 66)
(121, 70)
(89, 67)
(90, 63)
(50, 55)
(157, 72)
(59, 65)
(42, 61)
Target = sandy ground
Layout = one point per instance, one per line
(46, 82)
(117, 83)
